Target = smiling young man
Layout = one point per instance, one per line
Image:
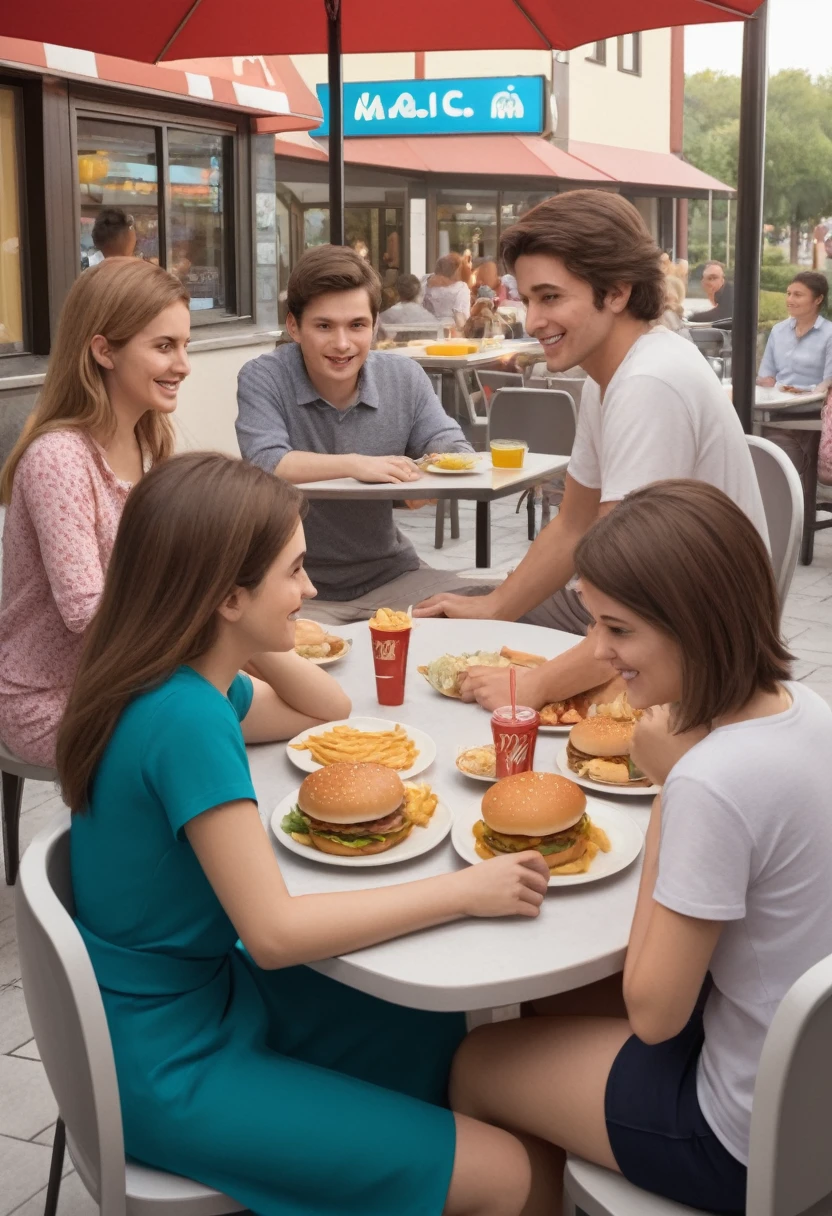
(326, 406)
(590, 275)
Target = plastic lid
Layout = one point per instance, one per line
(524, 715)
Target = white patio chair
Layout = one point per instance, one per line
(790, 1166)
(70, 1028)
(782, 493)
(14, 772)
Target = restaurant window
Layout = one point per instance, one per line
(514, 204)
(12, 336)
(467, 222)
(598, 52)
(185, 225)
(629, 54)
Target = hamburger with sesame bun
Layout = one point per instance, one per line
(599, 749)
(350, 810)
(540, 811)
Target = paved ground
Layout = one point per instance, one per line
(27, 1110)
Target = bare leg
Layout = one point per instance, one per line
(542, 1077)
(603, 999)
(498, 1174)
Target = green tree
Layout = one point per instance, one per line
(798, 142)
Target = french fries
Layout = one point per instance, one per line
(419, 803)
(390, 618)
(454, 460)
(392, 748)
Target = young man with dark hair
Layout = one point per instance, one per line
(326, 406)
(408, 310)
(651, 409)
(113, 234)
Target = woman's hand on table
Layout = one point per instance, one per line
(510, 885)
(655, 749)
(489, 687)
(384, 470)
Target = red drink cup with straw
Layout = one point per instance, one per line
(514, 728)
(390, 635)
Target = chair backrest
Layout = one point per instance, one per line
(782, 494)
(544, 418)
(790, 1165)
(710, 341)
(67, 1015)
(489, 382)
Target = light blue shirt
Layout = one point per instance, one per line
(802, 362)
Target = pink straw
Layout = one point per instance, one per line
(512, 686)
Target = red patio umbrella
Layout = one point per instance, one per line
(197, 29)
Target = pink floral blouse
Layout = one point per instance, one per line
(58, 535)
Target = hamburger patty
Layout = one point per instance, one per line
(373, 827)
(576, 757)
(502, 843)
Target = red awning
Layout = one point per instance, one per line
(265, 85)
(631, 166)
(482, 155)
(514, 156)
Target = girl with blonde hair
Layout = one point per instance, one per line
(102, 419)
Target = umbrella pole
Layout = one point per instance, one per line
(336, 122)
(749, 218)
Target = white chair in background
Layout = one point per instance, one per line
(70, 1027)
(14, 772)
(782, 493)
(790, 1166)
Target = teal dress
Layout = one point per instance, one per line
(293, 1094)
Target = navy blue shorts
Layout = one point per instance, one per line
(658, 1134)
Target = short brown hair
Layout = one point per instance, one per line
(329, 268)
(681, 555)
(817, 283)
(599, 237)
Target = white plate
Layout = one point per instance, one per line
(426, 745)
(555, 730)
(603, 787)
(434, 468)
(332, 658)
(420, 840)
(625, 836)
(473, 776)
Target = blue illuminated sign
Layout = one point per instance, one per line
(471, 106)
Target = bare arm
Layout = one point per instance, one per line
(546, 568)
(299, 467)
(280, 930)
(290, 695)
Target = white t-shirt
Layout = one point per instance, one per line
(664, 414)
(747, 839)
(444, 301)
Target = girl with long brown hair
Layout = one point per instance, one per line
(734, 903)
(241, 1067)
(103, 417)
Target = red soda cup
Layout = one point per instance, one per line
(515, 736)
(390, 662)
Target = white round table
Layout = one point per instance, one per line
(581, 933)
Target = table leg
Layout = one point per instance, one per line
(483, 534)
(810, 499)
(439, 531)
(454, 518)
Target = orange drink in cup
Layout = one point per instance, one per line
(390, 634)
(508, 453)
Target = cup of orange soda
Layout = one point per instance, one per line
(508, 453)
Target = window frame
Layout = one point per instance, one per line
(236, 186)
(27, 294)
(636, 69)
(598, 56)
